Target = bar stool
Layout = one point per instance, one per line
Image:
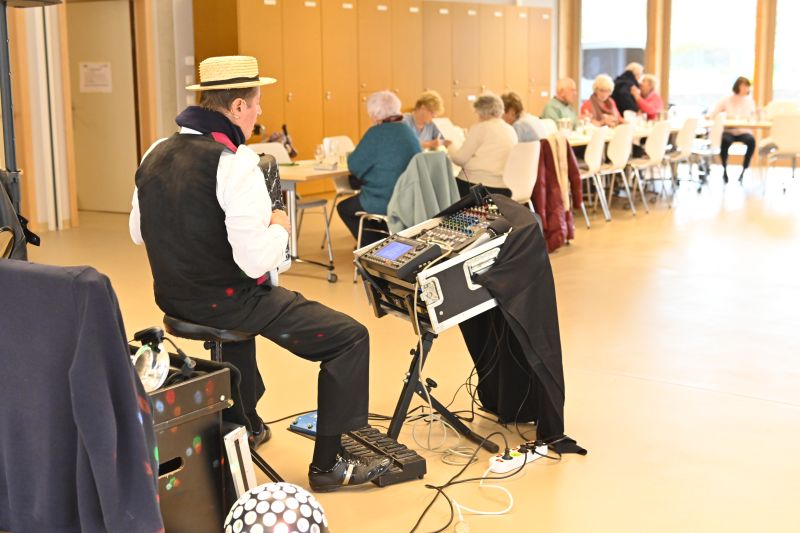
(213, 339)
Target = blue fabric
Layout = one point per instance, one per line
(382, 155)
(429, 131)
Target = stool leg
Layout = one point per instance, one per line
(216, 352)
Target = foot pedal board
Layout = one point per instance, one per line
(369, 441)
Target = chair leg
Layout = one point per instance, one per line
(628, 190)
(530, 206)
(611, 188)
(328, 233)
(641, 190)
(601, 197)
(585, 215)
(358, 245)
(329, 218)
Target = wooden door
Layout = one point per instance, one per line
(339, 68)
(437, 71)
(466, 71)
(539, 58)
(374, 45)
(302, 71)
(516, 52)
(255, 20)
(492, 48)
(407, 57)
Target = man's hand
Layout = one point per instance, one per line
(447, 143)
(281, 218)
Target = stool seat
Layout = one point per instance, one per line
(190, 330)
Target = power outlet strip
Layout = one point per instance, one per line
(498, 465)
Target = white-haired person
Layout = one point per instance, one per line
(622, 95)
(203, 211)
(482, 156)
(647, 97)
(429, 106)
(380, 157)
(600, 107)
(561, 105)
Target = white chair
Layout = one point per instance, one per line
(338, 146)
(683, 149)
(655, 147)
(619, 152)
(704, 151)
(278, 151)
(550, 126)
(775, 108)
(786, 136)
(521, 170)
(629, 115)
(593, 157)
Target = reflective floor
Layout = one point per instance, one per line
(681, 338)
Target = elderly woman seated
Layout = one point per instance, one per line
(528, 127)
(382, 155)
(600, 107)
(429, 106)
(482, 156)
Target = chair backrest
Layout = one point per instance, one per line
(522, 167)
(629, 115)
(276, 150)
(782, 107)
(621, 144)
(715, 133)
(785, 133)
(657, 139)
(7, 239)
(685, 138)
(342, 144)
(550, 126)
(593, 156)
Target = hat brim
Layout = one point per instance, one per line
(242, 85)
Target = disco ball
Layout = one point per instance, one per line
(276, 508)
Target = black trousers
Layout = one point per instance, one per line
(316, 333)
(464, 186)
(347, 210)
(728, 139)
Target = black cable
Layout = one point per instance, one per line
(452, 481)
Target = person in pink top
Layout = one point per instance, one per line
(647, 97)
(740, 106)
(600, 107)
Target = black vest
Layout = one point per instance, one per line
(183, 227)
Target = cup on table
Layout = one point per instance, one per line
(319, 154)
(565, 125)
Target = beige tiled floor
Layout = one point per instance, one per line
(682, 358)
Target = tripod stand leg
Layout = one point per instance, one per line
(456, 422)
(409, 387)
(265, 467)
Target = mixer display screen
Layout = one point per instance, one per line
(393, 250)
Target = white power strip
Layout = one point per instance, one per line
(498, 465)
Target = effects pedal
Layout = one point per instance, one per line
(519, 456)
(368, 442)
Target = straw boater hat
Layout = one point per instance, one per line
(229, 72)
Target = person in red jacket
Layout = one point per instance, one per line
(647, 97)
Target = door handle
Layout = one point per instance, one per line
(289, 97)
(328, 95)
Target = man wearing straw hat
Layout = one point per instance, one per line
(202, 209)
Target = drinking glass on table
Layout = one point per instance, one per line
(319, 154)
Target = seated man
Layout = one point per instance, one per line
(528, 127)
(561, 105)
(647, 97)
(202, 209)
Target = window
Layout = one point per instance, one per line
(786, 76)
(613, 34)
(712, 44)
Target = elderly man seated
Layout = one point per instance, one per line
(528, 127)
(560, 106)
(380, 157)
(482, 156)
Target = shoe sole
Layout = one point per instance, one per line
(331, 488)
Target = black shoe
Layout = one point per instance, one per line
(725, 177)
(257, 439)
(348, 470)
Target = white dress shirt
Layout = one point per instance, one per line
(258, 246)
(483, 154)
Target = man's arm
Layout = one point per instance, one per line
(258, 245)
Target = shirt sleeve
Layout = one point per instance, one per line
(134, 220)
(650, 105)
(258, 247)
(460, 156)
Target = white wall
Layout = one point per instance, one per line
(174, 50)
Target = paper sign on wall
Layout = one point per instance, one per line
(95, 77)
